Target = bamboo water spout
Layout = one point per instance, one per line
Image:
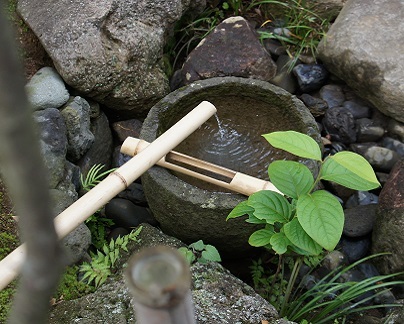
(117, 181)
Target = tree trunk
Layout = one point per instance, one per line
(22, 168)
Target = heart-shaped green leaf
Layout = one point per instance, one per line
(271, 206)
(322, 217)
(296, 234)
(211, 253)
(279, 243)
(296, 143)
(240, 210)
(350, 170)
(260, 238)
(290, 177)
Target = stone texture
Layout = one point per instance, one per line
(359, 220)
(46, 89)
(53, 142)
(218, 296)
(389, 228)
(232, 49)
(357, 50)
(110, 50)
(101, 150)
(76, 115)
(310, 77)
(340, 124)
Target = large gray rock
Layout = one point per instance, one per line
(389, 227)
(108, 50)
(53, 142)
(218, 296)
(364, 48)
(46, 89)
(232, 49)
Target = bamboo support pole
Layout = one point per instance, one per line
(159, 280)
(117, 181)
(238, 182)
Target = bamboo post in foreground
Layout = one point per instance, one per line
(160, 280)
(117, 181)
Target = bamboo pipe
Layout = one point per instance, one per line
(117, 181)
(159, 280)
(239, 182)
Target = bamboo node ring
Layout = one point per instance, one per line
(120, 177)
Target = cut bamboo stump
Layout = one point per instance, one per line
(117, 181)
(160, 280)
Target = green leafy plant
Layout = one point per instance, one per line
(200, 252)
(94, 176)
(302, 221)
(104, 260)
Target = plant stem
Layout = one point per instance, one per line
(318, 176)
(291, 283)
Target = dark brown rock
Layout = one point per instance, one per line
(389, 227)
(232, 49)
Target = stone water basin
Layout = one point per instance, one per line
(190, 209)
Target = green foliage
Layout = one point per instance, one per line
(332, 298)
(303, 221)
(7, 243)
(104, 260)
(200, 252)
(97, 224)
(305, 26)
(6, 298)
(94, 176)
(70, 287)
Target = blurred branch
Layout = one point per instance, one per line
(22, 168)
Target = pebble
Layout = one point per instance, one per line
(381, 158)
(359, 220)
(46, 89)
(135, 194)
(310, 77)
(334, 260)
(361, 198)
(317, 106)
(396, 128)
(394, 145)
(355, 248)
(368, 131)
(340, 125)
(357, 110)
(333, 95)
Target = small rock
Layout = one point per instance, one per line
(361, 198)
(76, 115)
(317, 106)
(46, 89)
(77, 243)
(274, 47)
(357, 110)
(118, 158)
(382, 177)
(125, 128)
(355, 248)
(381, 158)
(310, 77)
(118, 231)
(396, 128)
(368, 131)
(126, 214)
(340, 124)
(394, 145)
(333, 95)
(368, 269)
(333, 260)
(359, 220)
